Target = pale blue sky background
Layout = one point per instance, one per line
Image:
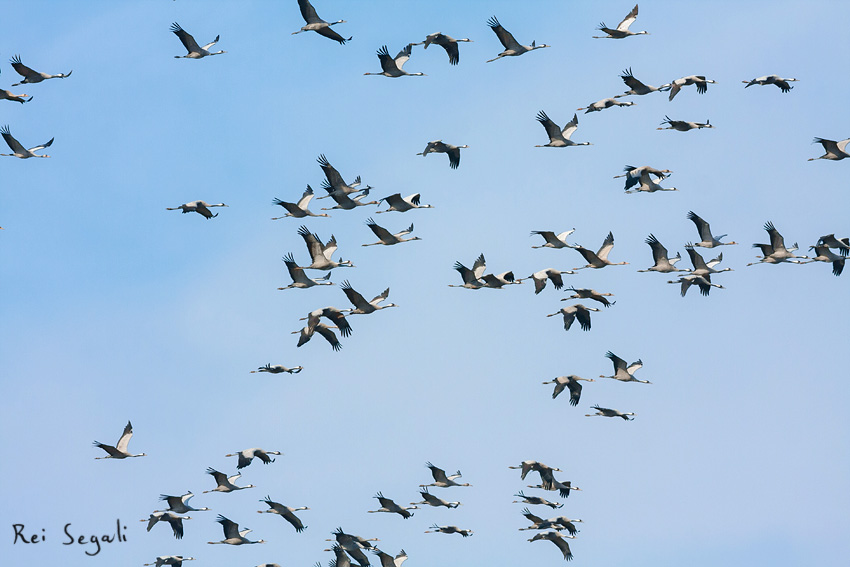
(114, 308)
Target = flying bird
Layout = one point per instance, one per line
(622, 371)
(585, 293)
(683, 125)
(440, 478)
(387, 505)
(571, 382)
(559, 138)
(277, 369)
(603, 104)
(553, 240)
(512, 47)
(174, 560)
(285, 512)
(834, 150)
(119, 451)
(224, 483)
(448, 530)
(317, 24)
(553, 275)
(232, 534)
(200, 207)
(708, 241)
(622, 29)
(446, 42)
(246, 456)
(361, 306)
(471, 278)
(535, 500)
(663, 264)
(573, 312)
(194, 51)
(403, 204)
(299, 278)
(173, 519)
(321, 254)
(636, 87)
(772, 80)
(634, 174)
(606, 412)
(559, 542)
(393, 66)
(31, 76)
(386, 237)
(18, 149)
(699, 80)
(179, 504)
(646, 184)
(299, 210)
(432, 500)
(336, 185)
(599, 259)
(438, 146)
(549, 482)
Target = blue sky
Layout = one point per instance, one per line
(115, 309)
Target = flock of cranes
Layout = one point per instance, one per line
(643, 179)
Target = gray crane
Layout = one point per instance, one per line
(194, 50)
(622, 29)
(119, 451)
(387, 505)
(573, 312)
(246, 456)
(699, 80)
(317, 24)
(663, 264)
(18, 149)
(559, 138)
(570, 382)
(393, 67)
(598, 259)
(512, 46)
(772, 80)
(386, 237)
(708, 241)
(224, 483)
(284, 512)
(299, 210)
(232, 534)
(607, 412)
(200, 207)
(622, 371)
(438, 146)
(446, 42)
(31, 76)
